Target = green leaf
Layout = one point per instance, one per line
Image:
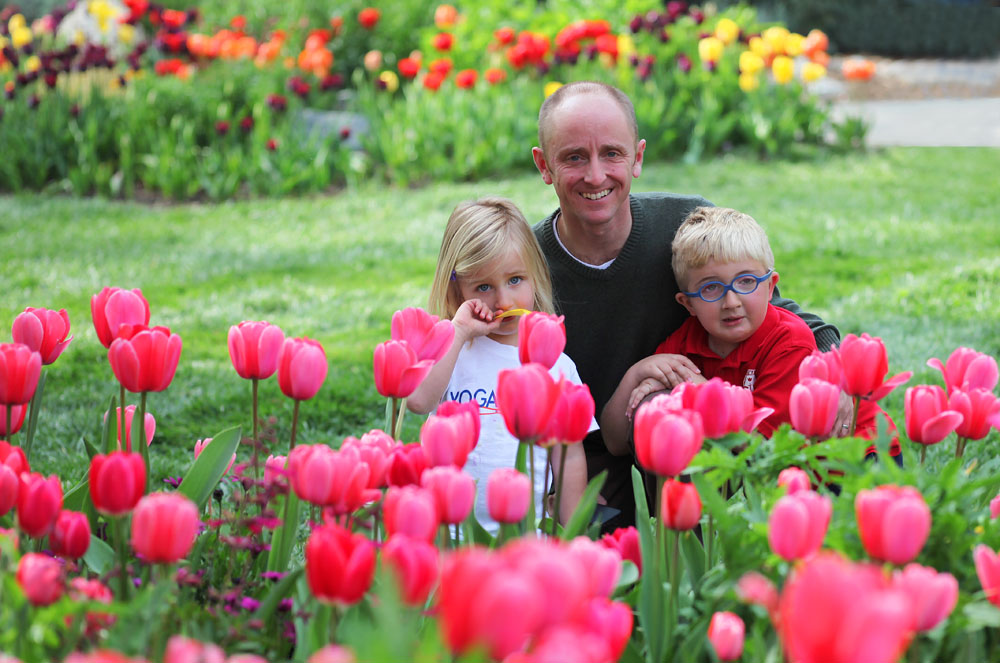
(651, 594)
(99, 557)
(280, 590)
(474, 529)
(982, 614)
(694, 556)
(208, 468)
(36, 405)
(585, 509)
(629, 574)
(109, 433)
(76, 498)
(283, 538)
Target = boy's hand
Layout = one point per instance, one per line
(645, 388)
(667, 369)
(474, 318)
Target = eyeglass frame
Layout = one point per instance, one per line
(727, 287)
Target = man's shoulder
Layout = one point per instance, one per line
(667, 200)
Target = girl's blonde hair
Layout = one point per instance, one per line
(717, 233)
(479, 232)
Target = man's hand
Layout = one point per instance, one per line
(645, 388)
(845, 414)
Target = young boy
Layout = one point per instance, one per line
(725, 268)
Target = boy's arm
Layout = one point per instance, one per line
(575, 478)
(825, 333)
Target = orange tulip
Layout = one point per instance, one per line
(857, 69)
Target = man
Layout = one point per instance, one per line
(609, 253)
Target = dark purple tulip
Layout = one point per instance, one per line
(684, 63)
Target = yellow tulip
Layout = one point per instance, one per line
(390, 80)
(551, 87)
(34, 63)
(16, 21)
(727, 30)
(776, 37)
(750, 62)
(710, 49)
(793, 44)
(749, 82)
(126, 33)
(3, 41)
(20, 36)
(813, 71)
(760, 48)
(783, 69)
(626, 46)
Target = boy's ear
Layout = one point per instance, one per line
(771, 282)
(685, 301)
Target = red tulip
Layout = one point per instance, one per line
(81, 589)
(414, 564)
(200, 445)
(626, 541)
(17, 413)
(928, 419)
(798, 524)
(665, 440)
(560, 577)
(368, 17)
(39, 501)
(967, 369)
(412, 511)
(113, 307)
(145, 359)
(680, 504)
(466, 78)
(462, 576)
(572, 414)
(164, 526)
(428, 336)
(864, 364)
(150, 426)
(406, 463)
(43, 331)
(508, 493)
(70, 536)
(828, 608)
(454, 492)
(442, 41)
(988, 570)
(398, 371)
(302, 368)
(9, 485)
(603, 565)
(340, 566)
(41, 578)
(375, 448)
(13, 457)
(813, 407)
(526, 397)
(447, 440)
(254, 348)
(541, 338)
(117, 482)
(20, 367)
(324, 477)
(977, 407)
(932, 595)
(794, 480)
(893, 522)
(725, 632)
(822, 366)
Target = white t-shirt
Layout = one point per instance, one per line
(475, 379)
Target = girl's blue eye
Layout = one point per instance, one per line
(514, 280)
(483, 287)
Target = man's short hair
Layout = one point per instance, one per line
(556, 99)
(721, 234)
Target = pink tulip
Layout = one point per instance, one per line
(117, 482)
(988, 570)
(302, 368)
(757, 589)
(334, 479)
(572, 414)
(968, 369)
(164, 526)
(864, 364)
(794, 480)
(17, 413)
(526, 397)
(275, 473)
(41, 578)
(129, 415)
(9, 485)
(81, 589)
(332, 654)
(429, 337)
(254, 348)
(725, 632)
(70, 536)
(448, 439)
(20, 368)
(407, 463)
(994, 508)
(626, 541)
(186, 650)
(977, 407)
(821, 365)
(43, 331)
(561, 578)
(610, 620)
(374, 448)
(603, 565)
(340, 566)
(13, 457)
(398, 370)
(568, 642)
(932, 595)
(412, 511)
(451, 408)
(680, 504)
(200, 445)
(541, 338)
(928, 419)
(798, 524)
(39, 501)
(893, 522)
(414, 564)
(508, 493)
(113, 307)
(724, 408)
(665, 440)
(813, 407)
(145, 359)
(454, 492)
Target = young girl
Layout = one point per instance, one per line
(490, 262)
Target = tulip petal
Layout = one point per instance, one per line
(890, 384)
(941, 426)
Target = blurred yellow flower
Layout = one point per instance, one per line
(775, 38)
(104, 12)
(16, 21)
(20, 36)
(626, 46)
(760, 48)
(749, 82)
(783, 69)
(710, 49)
(727, 30)
(813, 71)
(750, 62)
(390, 80)
(793, 44)
(34, 63)
(373, 60)
(551, 87)
(126, 33)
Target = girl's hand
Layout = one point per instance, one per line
(474, 318)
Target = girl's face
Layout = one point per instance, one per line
(501, 284)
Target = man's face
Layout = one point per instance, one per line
(590, 158)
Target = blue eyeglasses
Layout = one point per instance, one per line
(743, 284)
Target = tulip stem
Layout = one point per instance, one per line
(256, 475)
(121, 418)
(392, 424)
(923, 453)
(960, 447)
(32, 419)
(854, 415)
(143, 445)
(531, 506)
(675, 586)
(7, 409)
(559, 484)
(295, 422)
(709, 535)
(117, 526)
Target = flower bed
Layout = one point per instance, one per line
(123, 98)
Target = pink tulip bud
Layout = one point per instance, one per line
(414, 564)
(822, 366)
(429, 337)
(13, 457)
(794, 480)
(164, 526)
(508, 493)
(604, 565)
(665, 440)
(117, 482)
(928, 419)
(39, 501)
(611, 621)
(526, 397)
(893, 522)
(412, 511)
(988, 570)
(340, 566)
(725, 632)
(798, 524)
(994, 508)
(398, 371)
(145, 359)
(41, 578)
(757, 589)
(332, 654)
(572, 414)
(813, 407)
(541, 338)
(113, 307)
(724, 408)
(20, 368)
(968, 369)
(200, 445)
(977, 407)
(681, 505)
(43, 331)
(334, 479)
(9, 485)
(302, 368)
(275, 472)
(254, 349)
(864, 364)
(454, 492)
(932, 595)
(17, 414)
(407, 463)
(374, 448)
(129, 416)
(447, 440)
(186, 650)
(70, 536)
(626, 541)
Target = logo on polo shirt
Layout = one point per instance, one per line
(749, 379)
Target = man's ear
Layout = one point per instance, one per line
(539, 157)
(640, 149)
(684, 301)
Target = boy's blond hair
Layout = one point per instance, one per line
(721, 234)
(478, 232)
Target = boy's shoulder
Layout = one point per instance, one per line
(790, 326)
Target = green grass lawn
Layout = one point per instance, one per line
(902, 244)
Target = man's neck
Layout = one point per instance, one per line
(595, 245)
